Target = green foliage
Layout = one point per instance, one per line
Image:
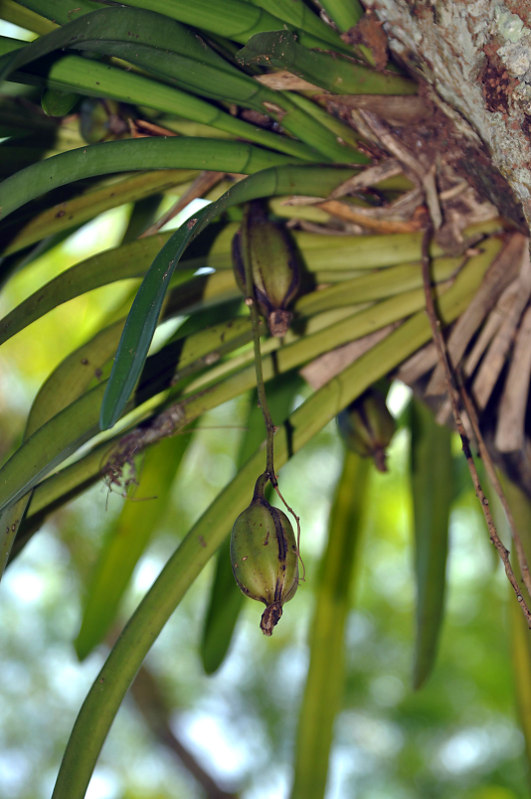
(123, 398)
(432, 488)
(323, 695)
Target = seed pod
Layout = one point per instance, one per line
(274, 267)
(367, 427)
(264, 556)
(101, 119)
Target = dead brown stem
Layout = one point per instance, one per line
(453, 394)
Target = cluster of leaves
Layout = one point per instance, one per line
(192, 73)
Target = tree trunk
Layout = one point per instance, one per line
(474, 61)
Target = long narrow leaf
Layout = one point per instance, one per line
(72, 213)
(432, 493)
(73, 425)
(323, 691)
(281, 50)
(320, 253)
(521, 656)
(238, 20)
(125, 262)
(345, 15)
(61, 11)
(157, 43)
(376, 285)
(132, 155)
(24, 18)
(11, 519)
(303, 18)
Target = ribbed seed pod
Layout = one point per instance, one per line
(264, 556)
(274, 267)
(367, 427)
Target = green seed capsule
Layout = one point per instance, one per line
(102, 119)
(264, 556)
(367, 427)
(274, 267)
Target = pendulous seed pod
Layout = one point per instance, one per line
(367, 427)
(274, 267)
(102, 119)
(264, 556)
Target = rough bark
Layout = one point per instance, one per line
(474, 59)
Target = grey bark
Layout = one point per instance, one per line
(475, 60)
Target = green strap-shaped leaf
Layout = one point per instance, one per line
(118, 263)
(376, 285)
(282, 50)
(224, 605)
(111, 684)
(132, 155)
(86, 366)
(11, 519)
(345, 15)
(142, 319)
(159, 44)
(323, 691)
(369, 252)
(70, 481)
(521, 656)
(231, 18)
(87, 206)
(432, 488)
(61, 11)
(323, 127)
(238, 20)
(18, 15)
(133, 259)
(67, 483)
(99, 25)
(73, 425)
(143, 215)
(225, 600)
(304, 19)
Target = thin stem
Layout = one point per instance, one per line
(256, 325)
(298, 524)
(454, 400)
(493, 477)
